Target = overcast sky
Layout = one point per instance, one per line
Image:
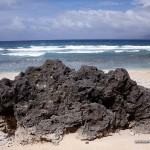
(74, 19)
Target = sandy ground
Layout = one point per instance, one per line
(124, 140)
(141, 77)
(10, 76)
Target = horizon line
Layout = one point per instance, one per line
(71, 40)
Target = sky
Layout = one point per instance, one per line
(74, 19)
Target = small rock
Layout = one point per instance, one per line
(132, 133)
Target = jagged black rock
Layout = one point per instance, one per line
(52, 100)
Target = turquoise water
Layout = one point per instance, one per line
(105, 54)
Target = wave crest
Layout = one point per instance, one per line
(36, 51)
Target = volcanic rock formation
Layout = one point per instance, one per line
(44, 103)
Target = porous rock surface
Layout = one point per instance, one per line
(49, 101)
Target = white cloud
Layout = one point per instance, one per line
(109, 3)
(87, 24)
(145, 3)
(7, 3)
(17, 23)
(101, 23)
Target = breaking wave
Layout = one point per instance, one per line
(35, 51)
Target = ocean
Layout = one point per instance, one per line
(16, 56)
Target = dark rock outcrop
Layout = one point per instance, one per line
(52, 100)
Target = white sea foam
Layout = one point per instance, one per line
(31, 54)
(130, 51)
(81, 52)
(35, 51)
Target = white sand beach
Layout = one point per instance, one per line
(10, 76)
(141, 77)
(123, 140)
